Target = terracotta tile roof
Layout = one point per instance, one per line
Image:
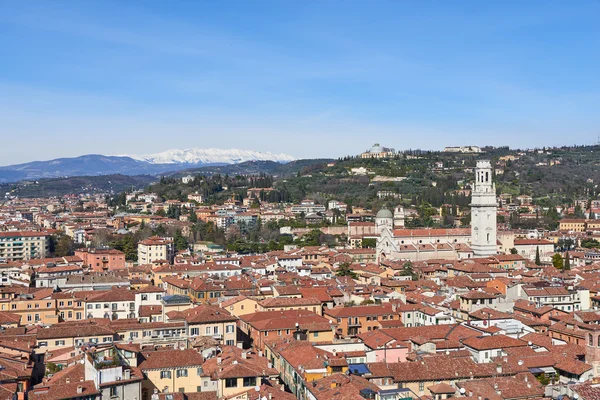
(493, 342)
(266, 391)
(342, 312)
(522, 385)
(340, 387)
(66, 330)
(442, 388)
(238, 363)
(275, 320)
(574, 367)
(289, 302)
(166, 359)
(202, 314)
(9, 318)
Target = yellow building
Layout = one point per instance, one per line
(574, 225)
(70, 334)
(70, 308)
(240, 305)
(172, 371)
(235, 371)
(291, 303)
(34, 306)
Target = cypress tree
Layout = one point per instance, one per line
(537, 256)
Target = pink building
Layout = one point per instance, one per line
(102, 259)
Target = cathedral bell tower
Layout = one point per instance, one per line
(483, 212)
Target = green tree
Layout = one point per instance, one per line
(64, 246)
(344, 270)
(537, 256)
(567, 265)
(181, 243)
(543, 379)
(409, 271)
(557, 261)
(369, 243)
(590, 243)
(514, 251)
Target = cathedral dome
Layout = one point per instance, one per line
(376, 148)
(384, 213)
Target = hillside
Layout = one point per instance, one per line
(253, 168)
(76, 185)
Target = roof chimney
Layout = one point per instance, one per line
(79, 389)
(219, 359)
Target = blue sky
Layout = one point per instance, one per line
(308, 78)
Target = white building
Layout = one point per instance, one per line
(483, 212)
(463, 149)
(187, 179)
(112, 304)
(155, 248)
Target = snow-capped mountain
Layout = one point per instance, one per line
(210, 156)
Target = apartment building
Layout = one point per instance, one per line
(155, 248)
(33, 306)
(112, 304)
(70, 334)
(210, 321)
(101, 259)
(23, 245)
(171, 371)
(352, 321)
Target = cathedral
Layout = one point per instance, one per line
(395, 242)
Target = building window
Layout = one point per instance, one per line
(250, 381)
(231, 382)
(165, 374)
(421, 386)
(182, 373)
(113, 391)
(230, 328)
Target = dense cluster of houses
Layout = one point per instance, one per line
(424, 314)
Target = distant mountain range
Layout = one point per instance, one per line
(153, 164)
(196, 156)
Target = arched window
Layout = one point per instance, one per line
(598, 341)
(488, 237)
(487, 176)
(591, 339)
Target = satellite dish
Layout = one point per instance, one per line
(529, 343)
(520, 362)
(462, 390)
(257, 388)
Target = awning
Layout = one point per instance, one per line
(358, 369)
